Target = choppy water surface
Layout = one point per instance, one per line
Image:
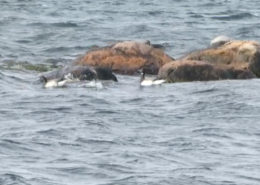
(184, 133)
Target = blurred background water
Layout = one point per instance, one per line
(184, 133)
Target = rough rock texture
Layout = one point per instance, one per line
(127, 57)
(192, 70)
(240, 55)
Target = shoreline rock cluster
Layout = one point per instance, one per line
(224, 59)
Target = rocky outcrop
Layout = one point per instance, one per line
(127, 57)
(192, 70)
(237, 55)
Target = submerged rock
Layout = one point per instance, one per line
(127, 57)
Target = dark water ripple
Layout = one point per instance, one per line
(233, 17)
(186, 133)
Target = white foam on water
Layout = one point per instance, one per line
(94, 84)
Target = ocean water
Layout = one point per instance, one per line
(201, 133)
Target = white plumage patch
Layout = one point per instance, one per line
(55, 83)
(149, 82)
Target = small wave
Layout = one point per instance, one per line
(134, 29)
(195, 15)
(123, 180)
(146, 3)
(66, 49)
(93, 84)
(95, 141)
(206, 130)
(41, 36)
(132, 100)
(206, 91)
(48, 132)
(7, 145)
(155, 13)
(99, 101)
(24, 65)
(212, 4)
(115, 167)
(57, 49)
(75, 170)
(63, 109)
(252, 179)
(65, 24)
(23, 41)
(56, 62)
(216, 135)
(58, 24)
(42, 144)
(247, 31)
(11, 141)
(69, 144)
(10, 77)
(12, 179)
(237, 16)
(105, 112)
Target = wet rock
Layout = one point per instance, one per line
(127, 57)
(240, 55)
(191, 70)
